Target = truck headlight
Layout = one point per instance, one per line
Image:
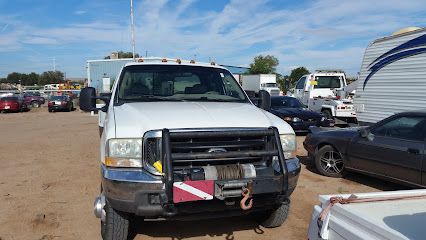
(124, 152)
(289, 145)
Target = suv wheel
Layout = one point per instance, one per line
(329, 162)
(35, 104)
(273, 218)
(116, 225)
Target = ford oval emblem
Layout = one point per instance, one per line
(217, 150)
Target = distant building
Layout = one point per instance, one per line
(102, 73)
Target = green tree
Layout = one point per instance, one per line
(51, 77)
(296, 74)
(263, 65)
(13, 77)
(122, 54)
(32, 79)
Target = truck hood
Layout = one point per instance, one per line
(134, 119)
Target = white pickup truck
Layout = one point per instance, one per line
(323, 91)
(182, 140)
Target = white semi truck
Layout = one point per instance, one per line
(257, 82)
(324, 91)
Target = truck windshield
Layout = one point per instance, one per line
(328, 81)
(178, 83)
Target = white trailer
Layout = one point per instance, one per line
(392, 76)
(394, 215)
(257, 82)
(324, 91)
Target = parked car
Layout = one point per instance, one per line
(35, 100)
(60, 103)
(393, 148)
(296, 114)
(12, 104)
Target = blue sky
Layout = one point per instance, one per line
(315, 34)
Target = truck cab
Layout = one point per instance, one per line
(323, 91)
(181, 140)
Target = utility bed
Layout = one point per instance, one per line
(390, 219)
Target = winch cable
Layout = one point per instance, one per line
(229, 172)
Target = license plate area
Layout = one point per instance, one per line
(188, 191)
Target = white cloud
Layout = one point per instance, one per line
(322, 34)
(79, 12)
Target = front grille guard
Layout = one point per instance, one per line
(167, 160)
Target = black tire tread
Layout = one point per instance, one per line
(275, 218)
(117, 224)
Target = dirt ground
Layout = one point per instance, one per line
(49, 177)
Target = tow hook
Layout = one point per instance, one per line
(98, 207)
(246, 195)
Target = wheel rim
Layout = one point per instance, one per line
(331, 162)
(35, 104)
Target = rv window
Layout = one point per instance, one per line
(301, 83)
(328, 81)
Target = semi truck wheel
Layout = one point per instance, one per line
(116, 225)
(274, 218)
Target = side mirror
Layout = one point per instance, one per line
(365, 133)
(264, 100)
(88, 100)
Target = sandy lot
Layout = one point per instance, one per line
(49, 177)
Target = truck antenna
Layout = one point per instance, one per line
(132, 29)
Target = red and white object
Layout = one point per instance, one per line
(188, 191)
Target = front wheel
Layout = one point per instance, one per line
(274, 218)
(116, 224)
(329, 162)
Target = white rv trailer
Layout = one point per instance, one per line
(392, 77)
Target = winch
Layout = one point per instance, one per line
(220, 172)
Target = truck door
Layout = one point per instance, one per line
(300, 88)
(395, 149)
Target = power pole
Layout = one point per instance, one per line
(132, 29)
(54, 64)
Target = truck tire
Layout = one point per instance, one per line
(329, 162)
(116, 225)
(274, 218)
(327, 114)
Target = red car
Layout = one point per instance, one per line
(60, 103)
(12, 104)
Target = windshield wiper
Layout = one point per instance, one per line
(206, 99)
